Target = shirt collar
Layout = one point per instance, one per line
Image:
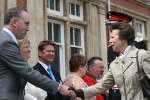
(126, 50)
(44, 65)
(11, 34)
(124, 54)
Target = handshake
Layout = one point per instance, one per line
(70, 92)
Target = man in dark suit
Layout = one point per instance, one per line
(13, 68)
(46, 54)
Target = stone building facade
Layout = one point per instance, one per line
(76, 26)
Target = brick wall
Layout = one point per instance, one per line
(21, 3)
(133, 5)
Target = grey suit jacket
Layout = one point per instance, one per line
(14, 70)
(125, 75)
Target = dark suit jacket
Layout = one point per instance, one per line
(50, 96)
(14, 69)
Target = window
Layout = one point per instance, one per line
(76, 9)
(55, 7)
(54, 31)
(140, 31)
(56, 34)
(54, 4)
(77, 39)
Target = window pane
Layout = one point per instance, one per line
(71, 35)
(139, 28)
(77, 37)
(51, 4)
(56, 63)
(50, 31)
(58, 5)
(72, 9)
(57, 33)
(74, 50)
(77, 10)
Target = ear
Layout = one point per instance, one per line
(81, 67)
(124, 41)
(13, 21)
(39, 53)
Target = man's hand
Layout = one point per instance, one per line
(64, 90)
(78, 93)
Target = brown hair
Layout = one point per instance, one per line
(45, 43)
(76, 61)
(126, 32)
(23, 41)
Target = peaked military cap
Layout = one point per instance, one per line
(113, 16)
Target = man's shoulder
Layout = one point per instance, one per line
(37, 66)
(3, 36)
(89, 80)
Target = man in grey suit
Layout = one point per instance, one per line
(13, 69)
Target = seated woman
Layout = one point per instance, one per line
(77, 65)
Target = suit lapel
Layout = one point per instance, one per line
(40, 68)
(124, 65)
(127, 64)
(56, 74)
(129, 60)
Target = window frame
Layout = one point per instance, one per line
(61, 47)
(76, 2)
(55, 12)
(82, 47)
(140, 35)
